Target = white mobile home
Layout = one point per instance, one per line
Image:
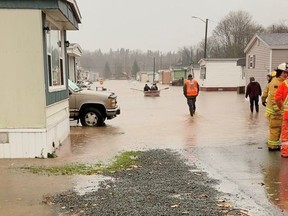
(74, 51)
(220, 74)
(148, 76)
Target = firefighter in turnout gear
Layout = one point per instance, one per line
(273, 114)
(281, 99)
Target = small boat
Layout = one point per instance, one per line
(152, 93)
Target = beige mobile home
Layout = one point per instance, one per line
(34, 118)
(264, 53)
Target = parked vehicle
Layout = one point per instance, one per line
(84, 84)
(179, 82)
(91, 107)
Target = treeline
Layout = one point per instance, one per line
(228, 40)
(125, 62)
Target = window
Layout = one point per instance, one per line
(203, 73)
(55, 59)
(243, 73)
(251, 61)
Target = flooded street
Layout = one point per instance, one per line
(223, 138)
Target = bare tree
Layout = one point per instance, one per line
(186, 55)
(232, 35)
(228, 40)
(278, 28)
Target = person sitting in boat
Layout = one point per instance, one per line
(154, 87)
(146, 87)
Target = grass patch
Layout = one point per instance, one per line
(125, 160)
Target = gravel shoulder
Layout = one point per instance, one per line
(161, 184)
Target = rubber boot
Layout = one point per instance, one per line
(274, 147)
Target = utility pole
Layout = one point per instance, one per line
(205, 45)
(153, 69)
(206, 29)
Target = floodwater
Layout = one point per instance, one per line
(223, 138)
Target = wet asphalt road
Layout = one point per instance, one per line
(223, 139)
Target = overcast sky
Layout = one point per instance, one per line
(164, 25)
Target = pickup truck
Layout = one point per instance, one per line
(91, 107)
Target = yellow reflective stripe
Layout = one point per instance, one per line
(269, 110)
(284, 143)
(271, 142)
(275, 107)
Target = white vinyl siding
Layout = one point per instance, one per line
(278, 57)
(221, 73)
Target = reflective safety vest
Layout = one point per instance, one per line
(285, 103)
(191, 87)
(281, 98)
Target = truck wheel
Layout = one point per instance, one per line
(91, 117)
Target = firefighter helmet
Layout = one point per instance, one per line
(273, 73)
(283, 67)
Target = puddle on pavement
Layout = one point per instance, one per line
(276, 181)
(86, 184)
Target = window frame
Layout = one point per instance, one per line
(203, 72)
(61, 58)
(251, 61)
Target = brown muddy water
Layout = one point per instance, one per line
(223, 138)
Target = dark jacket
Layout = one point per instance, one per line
(146, 88)
(253, 90)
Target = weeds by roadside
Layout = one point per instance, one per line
(126, 160)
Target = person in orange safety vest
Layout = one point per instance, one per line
(281, 99)
(272, 113)
(191, 91)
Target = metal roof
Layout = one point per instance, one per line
(271, 40)
(275, 39)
